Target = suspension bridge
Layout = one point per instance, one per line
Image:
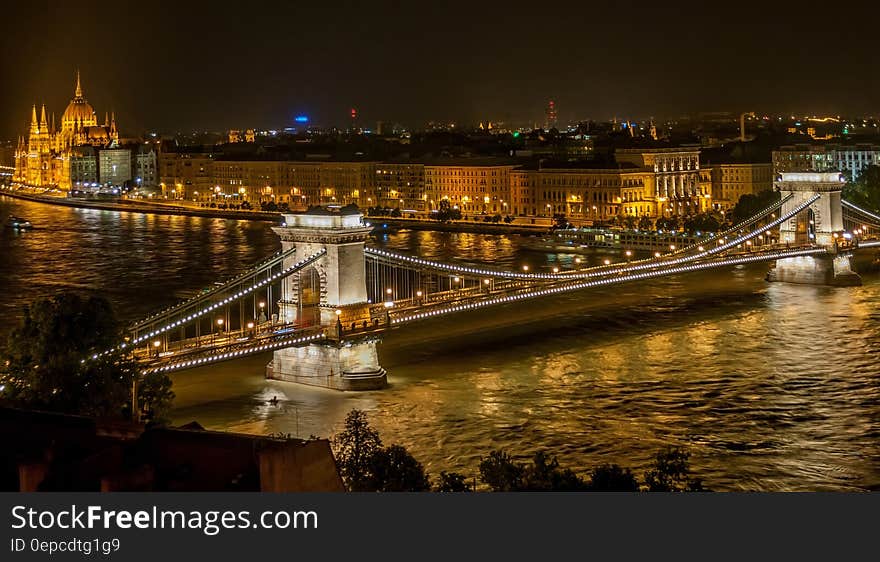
(323, 302)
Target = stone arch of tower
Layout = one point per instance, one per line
(310, 295)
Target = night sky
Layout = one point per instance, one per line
(173, 66)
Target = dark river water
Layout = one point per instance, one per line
(769, 386)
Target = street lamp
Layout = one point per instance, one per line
(157, 344)
(262, 317)
(219, 328)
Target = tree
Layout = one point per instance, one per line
(667, 223)
(452, 482)
(702, 222)
(865, 190)
(630, 222)
(366, 466)
(645, 223)
(446, 212)
(394, 469)
(354, 448)
(500, 473)
(671, 473)
(544, 475)
(612, 478)
(51, 362)
(560, 221)
(750, 205)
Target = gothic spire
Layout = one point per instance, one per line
(34, 122)
(44, 124)
(79, 90)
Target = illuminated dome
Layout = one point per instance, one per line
(78, 110)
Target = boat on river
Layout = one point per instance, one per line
(18, 223)
(588, 240)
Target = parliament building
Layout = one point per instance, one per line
(44, 159)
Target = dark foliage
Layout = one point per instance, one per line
(50, 363)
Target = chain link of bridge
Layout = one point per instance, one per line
(322, 303)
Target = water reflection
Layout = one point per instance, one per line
(769, 386)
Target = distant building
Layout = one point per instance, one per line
(83, 166)
(44, 159)
(114, 167)
(551, 121)
(474, 186)
(146, 166)
(730, 181)
(676, 177)
(399, 185)
(648, 181)
(850, 159)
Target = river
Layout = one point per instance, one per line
(769, 386)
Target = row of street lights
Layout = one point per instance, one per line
(220, 322)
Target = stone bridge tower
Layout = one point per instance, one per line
(821, 224)
(331, 292)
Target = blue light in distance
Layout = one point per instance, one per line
(301, 119)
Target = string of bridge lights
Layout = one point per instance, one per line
(195, 316)
(721, 248)
(376, 252)
(284, 273)
(742, 224)
(607, 281)
(867, 213)
(268, 263)
(287, 342)
(593, 272)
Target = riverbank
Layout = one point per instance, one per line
(380, 223)
(388, 223)
(144, 207)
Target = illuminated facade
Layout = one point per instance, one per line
(474, 187)
(583, 194)
(729, 182)
(648, 182)
(399, 185)
(849, 159)
(44, 159)
(676, 177)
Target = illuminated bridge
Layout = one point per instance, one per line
(322, 303)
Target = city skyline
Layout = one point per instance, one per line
(413, 64)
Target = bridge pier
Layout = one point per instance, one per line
(340, 365)
(332, 294)
(829, 269)
(821, 224)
